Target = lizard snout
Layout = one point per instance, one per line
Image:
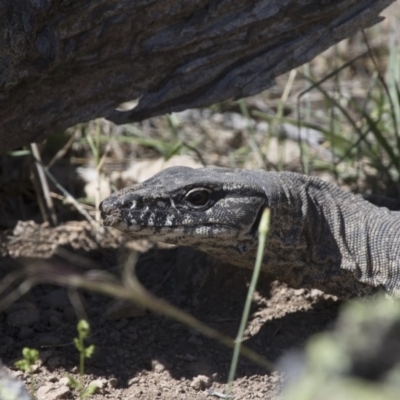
(104, 207)
(109, 213)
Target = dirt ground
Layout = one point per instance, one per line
(141, 355)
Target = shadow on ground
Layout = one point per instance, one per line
(149, 350)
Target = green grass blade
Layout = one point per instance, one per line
(263, 229)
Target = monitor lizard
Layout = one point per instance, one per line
(320, 236)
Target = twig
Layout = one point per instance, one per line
(67, 195)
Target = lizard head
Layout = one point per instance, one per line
(192, 207)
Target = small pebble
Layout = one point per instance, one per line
(201, 382)
(64, 381)
(54, 362)
(115, 336)
(55, 318)
(58, 298)
(159, 365)
(25, 333)
(52, 392)
(121, 324)
(100, 383)
(113, 382)
(46, 354)
(316, 293)
(69, 314)
(195, 340)
(11, 387)
(132, 336)
(23, 314)
(48, 339)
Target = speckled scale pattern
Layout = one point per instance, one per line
(320, 236)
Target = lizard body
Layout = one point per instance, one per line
(320, 236)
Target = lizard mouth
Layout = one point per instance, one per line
(126, 221)
(113, 220)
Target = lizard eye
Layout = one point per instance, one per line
(198, 197)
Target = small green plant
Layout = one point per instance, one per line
(84, 352)
(30, 356)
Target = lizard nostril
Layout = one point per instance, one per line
(128, 203)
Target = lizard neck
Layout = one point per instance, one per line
(314, 239)
(345, 234)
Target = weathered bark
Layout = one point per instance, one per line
(70, 61)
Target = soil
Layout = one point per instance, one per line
(139, 354)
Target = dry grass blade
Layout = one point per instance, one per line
(63, 151)
(43, 181)
(67, 195)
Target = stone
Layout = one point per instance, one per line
(64, 381)
(11, 387)
(52, 392)
(113, 382)
(47, 339)
(159, 365)
(201, 382)
(23, 314)
(100, 383)
(25, 333)
(58, 298)
(55, 362)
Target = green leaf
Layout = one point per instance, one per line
(31, 355)
(83, 328)
(22, 365)
(78, 344)
(72, 382)
(89, 351)
(381, 139)
(91, 389)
